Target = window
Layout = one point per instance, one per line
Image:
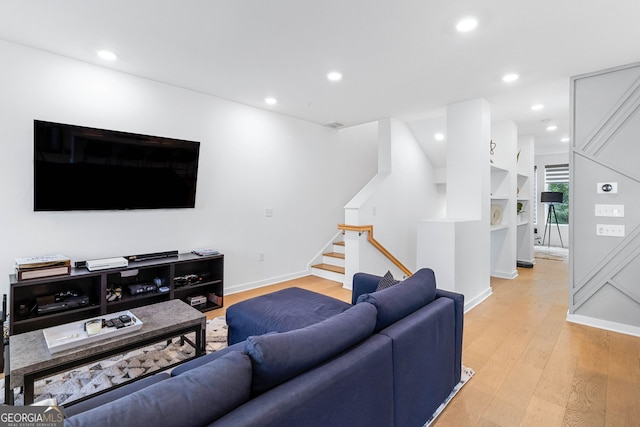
(556, 178)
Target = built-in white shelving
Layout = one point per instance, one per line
(524, 190)
(503, 200)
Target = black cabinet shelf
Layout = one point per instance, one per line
(136, 301)
(189, 288)
(95, 285)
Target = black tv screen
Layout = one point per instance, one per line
(81, 168)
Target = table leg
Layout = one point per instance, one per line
(8, 391)
(199, 342)
(28, 390)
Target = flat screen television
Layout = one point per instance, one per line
(82, 168)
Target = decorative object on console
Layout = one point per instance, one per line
(114, 293)
(42, 266)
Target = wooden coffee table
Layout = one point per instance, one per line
(30, 359)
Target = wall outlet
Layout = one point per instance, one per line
(268, 212)
(616, 211)
(261, 256)
(610, 230)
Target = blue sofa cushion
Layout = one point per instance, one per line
(279, 357)
(387, 281)
(195, 398)
(113, 394)
(351, 390)
(400, 300)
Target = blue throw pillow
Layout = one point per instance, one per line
(279, 357)
(195, 398)
(400, 300)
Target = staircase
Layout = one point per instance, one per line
(332, 266)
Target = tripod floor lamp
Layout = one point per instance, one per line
(553, 198)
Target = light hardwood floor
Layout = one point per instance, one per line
(532, 367)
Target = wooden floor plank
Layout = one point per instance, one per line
(542, 413)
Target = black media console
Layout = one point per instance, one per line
(98, 293)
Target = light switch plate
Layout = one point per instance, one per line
(615, 211)
(610, 230)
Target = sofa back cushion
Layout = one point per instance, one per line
(400, 300)
(194, 398)
(278, 357)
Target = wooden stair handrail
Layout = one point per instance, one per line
(369, 229)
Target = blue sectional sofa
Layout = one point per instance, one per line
(390, 359)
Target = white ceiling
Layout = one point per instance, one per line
(400, 58)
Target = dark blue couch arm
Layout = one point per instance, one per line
(458, 301)
(363, 283)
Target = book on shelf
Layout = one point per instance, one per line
(36, 273)
(44, 261)
(205, 252)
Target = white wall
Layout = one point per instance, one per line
(403, 193)
(250, 160)
(457, 248)
(540, 161)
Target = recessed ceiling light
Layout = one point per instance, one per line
(107, 55)
(537, 107)
(467, 24)
(508, 78)
(270, 100)
(551, 128)
(334, 76)
(565, 139)
(439, 136)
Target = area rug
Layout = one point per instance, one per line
(552, 253)
(72, 385)
(465, 376)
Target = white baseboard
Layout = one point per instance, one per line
(604, 324)
(505, 274)
(234, 289)
(468, 305)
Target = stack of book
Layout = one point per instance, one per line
(42, 266)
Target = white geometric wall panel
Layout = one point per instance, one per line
(604, 270)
